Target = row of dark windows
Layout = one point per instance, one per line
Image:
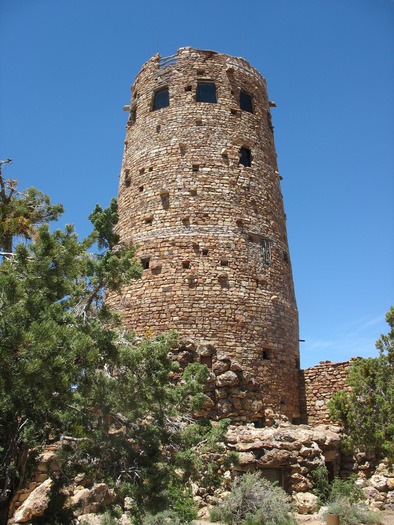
(206, 92)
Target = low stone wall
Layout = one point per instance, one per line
(317, 386)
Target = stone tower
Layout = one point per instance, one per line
(200, 197)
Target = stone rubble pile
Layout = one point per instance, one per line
(282, 451)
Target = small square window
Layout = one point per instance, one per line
(206, 92)
(161, 99)
(145, 263)
(186, 265)
(206, 360)
(245, 102)
(205, 252)
(245, 157)
(224, 262)
(195, 167)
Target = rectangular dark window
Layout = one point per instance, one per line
(245, 157)
(206, 92)
(245, 102)
(161, 99)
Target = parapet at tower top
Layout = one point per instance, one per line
(231, 62)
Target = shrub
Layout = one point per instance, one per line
(322, 486)
(254, 501)
(108, 519)
(352, 513)
(166, 517)
(346, 488)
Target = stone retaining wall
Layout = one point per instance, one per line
(317, 386)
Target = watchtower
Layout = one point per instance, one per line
(200, 197)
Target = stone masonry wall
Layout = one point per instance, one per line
(210, 231)
(317, 386)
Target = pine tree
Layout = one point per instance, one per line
(367, 411)
(22, 212)
(70, 372)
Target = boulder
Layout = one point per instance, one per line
(220, 367)
(90, 519)
(229, 378)
(306, 503)
(35, 505)
(379, 482)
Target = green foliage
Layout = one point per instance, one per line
(166, 517)
(367, 411)
(108, 519)
(321, 484)
(203, 451)
(346, 488)
(351, 513)
(21, 213)
(338, 489)
(69, 370)
(254, 501)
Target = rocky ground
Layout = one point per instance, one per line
(387, 518)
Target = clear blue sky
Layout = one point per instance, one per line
(66, 71)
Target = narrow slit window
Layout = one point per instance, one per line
(161, 99)
(165, 200)
(206, 92)
(245, 157)
(266, 251)
(127, 179)
(133, 116)
(245, 102)
(265, 354)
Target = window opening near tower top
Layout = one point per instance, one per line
(245, 102)
(161, 99)
(245, 157)
(206, 92)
